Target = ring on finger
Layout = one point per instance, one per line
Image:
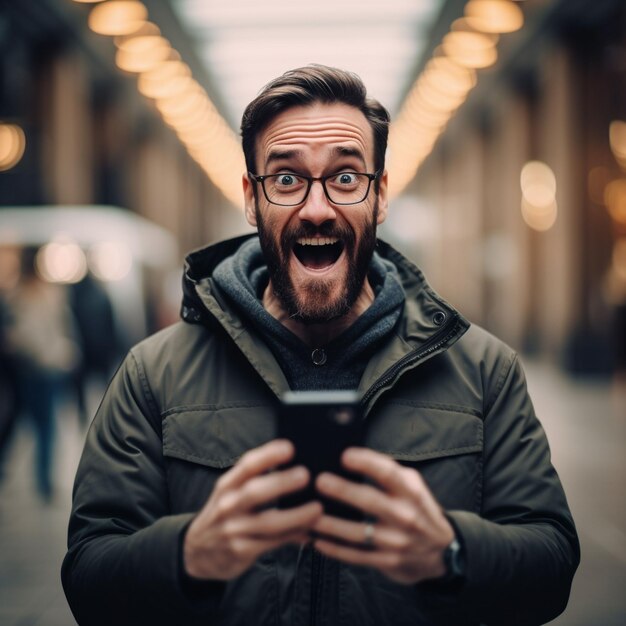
(368, 534)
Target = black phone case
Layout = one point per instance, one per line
(321, 425)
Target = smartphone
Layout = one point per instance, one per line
(321, 425)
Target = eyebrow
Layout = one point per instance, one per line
(282, 155)
(352, 152)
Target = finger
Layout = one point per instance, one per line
(366, 498)
(252, 547)
(262, 490)
(379, 559)
(275, 523)
(385, 537)
(381, 468)
(338, 528)
(397, 479)
(255, 462)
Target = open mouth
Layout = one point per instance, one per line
(317, 253)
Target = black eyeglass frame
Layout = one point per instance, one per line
(261, 178)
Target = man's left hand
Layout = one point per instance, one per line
(411, 532)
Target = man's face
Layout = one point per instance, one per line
(317, 252)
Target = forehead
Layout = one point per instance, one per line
(317, 130)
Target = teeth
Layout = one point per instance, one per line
(317, 241)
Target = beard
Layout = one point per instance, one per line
(312, 302)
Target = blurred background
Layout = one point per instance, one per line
(119, 153)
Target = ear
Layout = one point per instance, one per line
(383, 202)
(248, 196)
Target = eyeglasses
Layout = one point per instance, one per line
(289, 189)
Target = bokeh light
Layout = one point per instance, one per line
(12, 146)
(538, 206)
(468, 47)
(615, 200)
(494, 16)
(117, 17)
(165, 80)
(142, 50)
(617, 140)
(110, 260)
(61, 261)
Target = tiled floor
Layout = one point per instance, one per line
(586, 424)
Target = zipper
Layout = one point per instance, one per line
(440, 338)
(432, 345)
(317, 569)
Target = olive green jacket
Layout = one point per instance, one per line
(439, 395)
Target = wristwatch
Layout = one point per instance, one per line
(453, 559)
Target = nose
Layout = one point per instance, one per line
(317, 208)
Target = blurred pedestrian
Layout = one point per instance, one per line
(9, 397)
(40, 336)
(8, 385)
(98, 337)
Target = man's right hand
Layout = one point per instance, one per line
(230, 532)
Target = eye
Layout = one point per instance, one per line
(286, 180)
(345, 178)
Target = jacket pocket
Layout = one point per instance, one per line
(443, 442)
(201, 442)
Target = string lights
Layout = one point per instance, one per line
(444, 84)
(167, 81)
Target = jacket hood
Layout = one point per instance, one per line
(200, 264)
(428, 319)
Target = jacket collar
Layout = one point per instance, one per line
(427, 310)
(428, 326)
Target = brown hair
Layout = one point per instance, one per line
(307, 85)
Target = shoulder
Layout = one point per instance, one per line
(168, 341)
(189, 364)
(488, 361)
(481, 346)
(177, 346)
(472, 371)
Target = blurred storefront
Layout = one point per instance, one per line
(522, 198)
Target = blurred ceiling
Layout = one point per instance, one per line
(246, 43)
(425, 60)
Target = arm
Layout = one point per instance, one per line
(521, 552)
(130, 561)
(123, 560)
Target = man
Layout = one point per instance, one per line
(174, 519)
